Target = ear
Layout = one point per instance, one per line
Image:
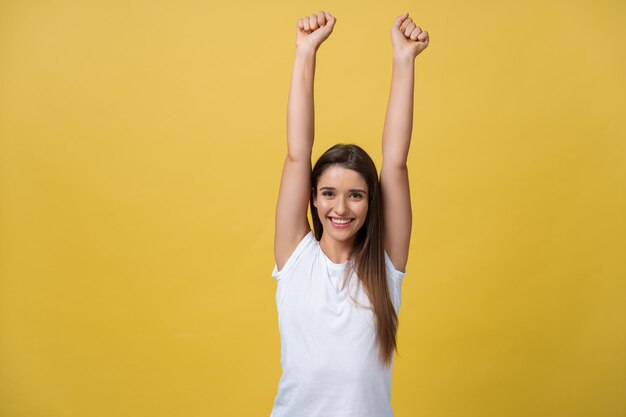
(314, 197)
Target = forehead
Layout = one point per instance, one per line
(340, 177)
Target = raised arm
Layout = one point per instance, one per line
(295, 184)
(408, 41)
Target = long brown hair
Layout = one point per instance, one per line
(368, 258)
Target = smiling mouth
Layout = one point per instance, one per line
(340, 221)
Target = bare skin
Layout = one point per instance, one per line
(341, 195)
(408, 41)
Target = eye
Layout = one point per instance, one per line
(326, 193)
(358, 195)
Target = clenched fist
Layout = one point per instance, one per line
(313, 30)
(407, 39)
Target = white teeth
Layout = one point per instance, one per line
(340, 221)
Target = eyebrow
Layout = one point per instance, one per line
(351, 190)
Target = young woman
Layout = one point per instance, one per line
(339, 284)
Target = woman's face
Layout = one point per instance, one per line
(341, 195)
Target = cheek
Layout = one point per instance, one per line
(362, 211)
(321, 206)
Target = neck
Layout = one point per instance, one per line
(337, 251)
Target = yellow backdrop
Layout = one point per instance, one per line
(140, 156)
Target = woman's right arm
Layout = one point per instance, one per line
(295, 184)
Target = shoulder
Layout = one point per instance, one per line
(303, 249)
(392, 271)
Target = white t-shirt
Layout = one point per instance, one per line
(329, 352)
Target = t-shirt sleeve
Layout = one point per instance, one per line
(395, 282)
(393, 272)
(293, 258)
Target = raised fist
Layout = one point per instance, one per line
(407, 39)
(313, 30)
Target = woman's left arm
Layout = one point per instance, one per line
(408, 41)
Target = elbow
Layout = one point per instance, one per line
(395, 163)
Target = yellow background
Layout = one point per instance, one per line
(140, 156)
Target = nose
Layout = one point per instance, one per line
(341, 207)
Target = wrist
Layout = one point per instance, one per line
(403, 59)
(306, 50)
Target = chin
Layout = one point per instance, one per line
(340, 235)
